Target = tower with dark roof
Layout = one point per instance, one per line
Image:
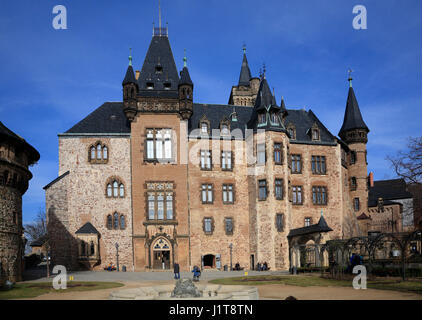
(354, 132)
(130, 91)
(185, 92)
(244, 93)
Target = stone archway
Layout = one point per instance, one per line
(209, 261)
(161, 254)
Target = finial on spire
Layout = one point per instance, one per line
(130, 56)
(350, 77)
(185, 59)
(264, 69)
(244, 48)
(322, 213)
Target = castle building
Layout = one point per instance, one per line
(158, 178)
(16, 155)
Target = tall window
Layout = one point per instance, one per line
(318, 165)
(356, 204)
(280, 222)
(207, 193)
(228, 196)
(115, 221)
(205, 159)
(159, 144)
(208, 225)
(160, 200)
(319, 195)
(261, 153)
(228, 222)
(296, 163)
(262, 194)
(109, 222)
(308, 221)
(98, 153)
(115, 189)
(105, 153)
(278, 156)
(122, 222)
(353, 183)
(278, 189)
(93, 153)
(226, 160)
(262, 118)
(297, 197)
(353, 157)
(274, 118)
(122, 190)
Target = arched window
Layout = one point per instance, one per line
(92, 153)
(92, 248)
(116, 220)
(122, 190)
(109, 190)
(122, 222)
(98, 152)
(105, 153)
(115, 189)
(109, 222)
(204, 128)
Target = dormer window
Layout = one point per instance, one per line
(150, 85)
(275, 119)
(262, 118)
(158, 69)
(292, 132)
(315, 134)
(167, 85)
(204, 128)
(225, 129)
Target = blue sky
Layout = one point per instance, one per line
(50, 79)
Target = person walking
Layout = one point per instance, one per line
(176, 270)
(196, 273)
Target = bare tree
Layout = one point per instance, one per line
(37, 228)
(408, 164)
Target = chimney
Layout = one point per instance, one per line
(371, 179)
(137, 74)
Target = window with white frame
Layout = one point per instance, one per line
(226, 160)
(160, 200)
(228, 193)
(205, 159)
(159, 144)
(207, 193)
(260, 151)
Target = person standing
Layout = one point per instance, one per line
(176, 271)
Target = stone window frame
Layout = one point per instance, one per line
(353, 157)
(206, 191)
(318, 159)
(113, 221)
(307, 220)
(233, 193)
(110, 181)
(282, 188)
(323, 189)
(103, 146)
(226, 122)
(315, 130)
(281, 152)
(212, 225)
(300, 161)
(204, 120)
(265, 188)
(200, 160)
(356, 204)
(353, 183)
(280, 228)
(167, 191)
(297, 193)
(154, 159)
(229, 232)
(292, 127)
(231, 162)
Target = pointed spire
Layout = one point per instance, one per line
(184, 74)
(185, 59)
(352, 116)
(130, 56)
(245, 72)
(350, 77)
(130, 76)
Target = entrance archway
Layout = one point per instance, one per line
(209, 261)
(161, 254)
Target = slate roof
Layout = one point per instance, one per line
(389, 190)
(185, 77)
(39, 242)
(87, 228)
(245, 72)
(56, 180)
(321, 226)
(352, 116)
(130, 76)
(159, 55)
(108, 118)
(6, 133)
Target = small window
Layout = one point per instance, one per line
(228, 222)
(158, 69)
(169, 206)
(262, 193)
(278, 156)
(353, 183)
(207, 193)
(116, 221)
(318, 165)
(356, 204)
(262, 118)
(150, 85)
(319, 195)
(315, 134)
(151, 206)
(109, 222)
(280, 222)
(115, 189)
(208, 225)
(292, 132)
(225, 129)
(226, 160)
(297, 197)
(99, 151)
(105, 153)
(122, 190)
(109, 190)
(228, 196)
(261, 154)
(93, 157)
(206, 160)
(296, 161)
(275, 119)
(308, 222)
(122, 222)
(278, 189)
(92, 248)
(204, 128)
(353, 157)
(167, 85)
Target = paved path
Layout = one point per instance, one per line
(155, 276)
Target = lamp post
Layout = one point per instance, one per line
(117, 256)
(231, 255)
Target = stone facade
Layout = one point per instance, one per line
(15, 157)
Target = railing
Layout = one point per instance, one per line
(160, 32)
